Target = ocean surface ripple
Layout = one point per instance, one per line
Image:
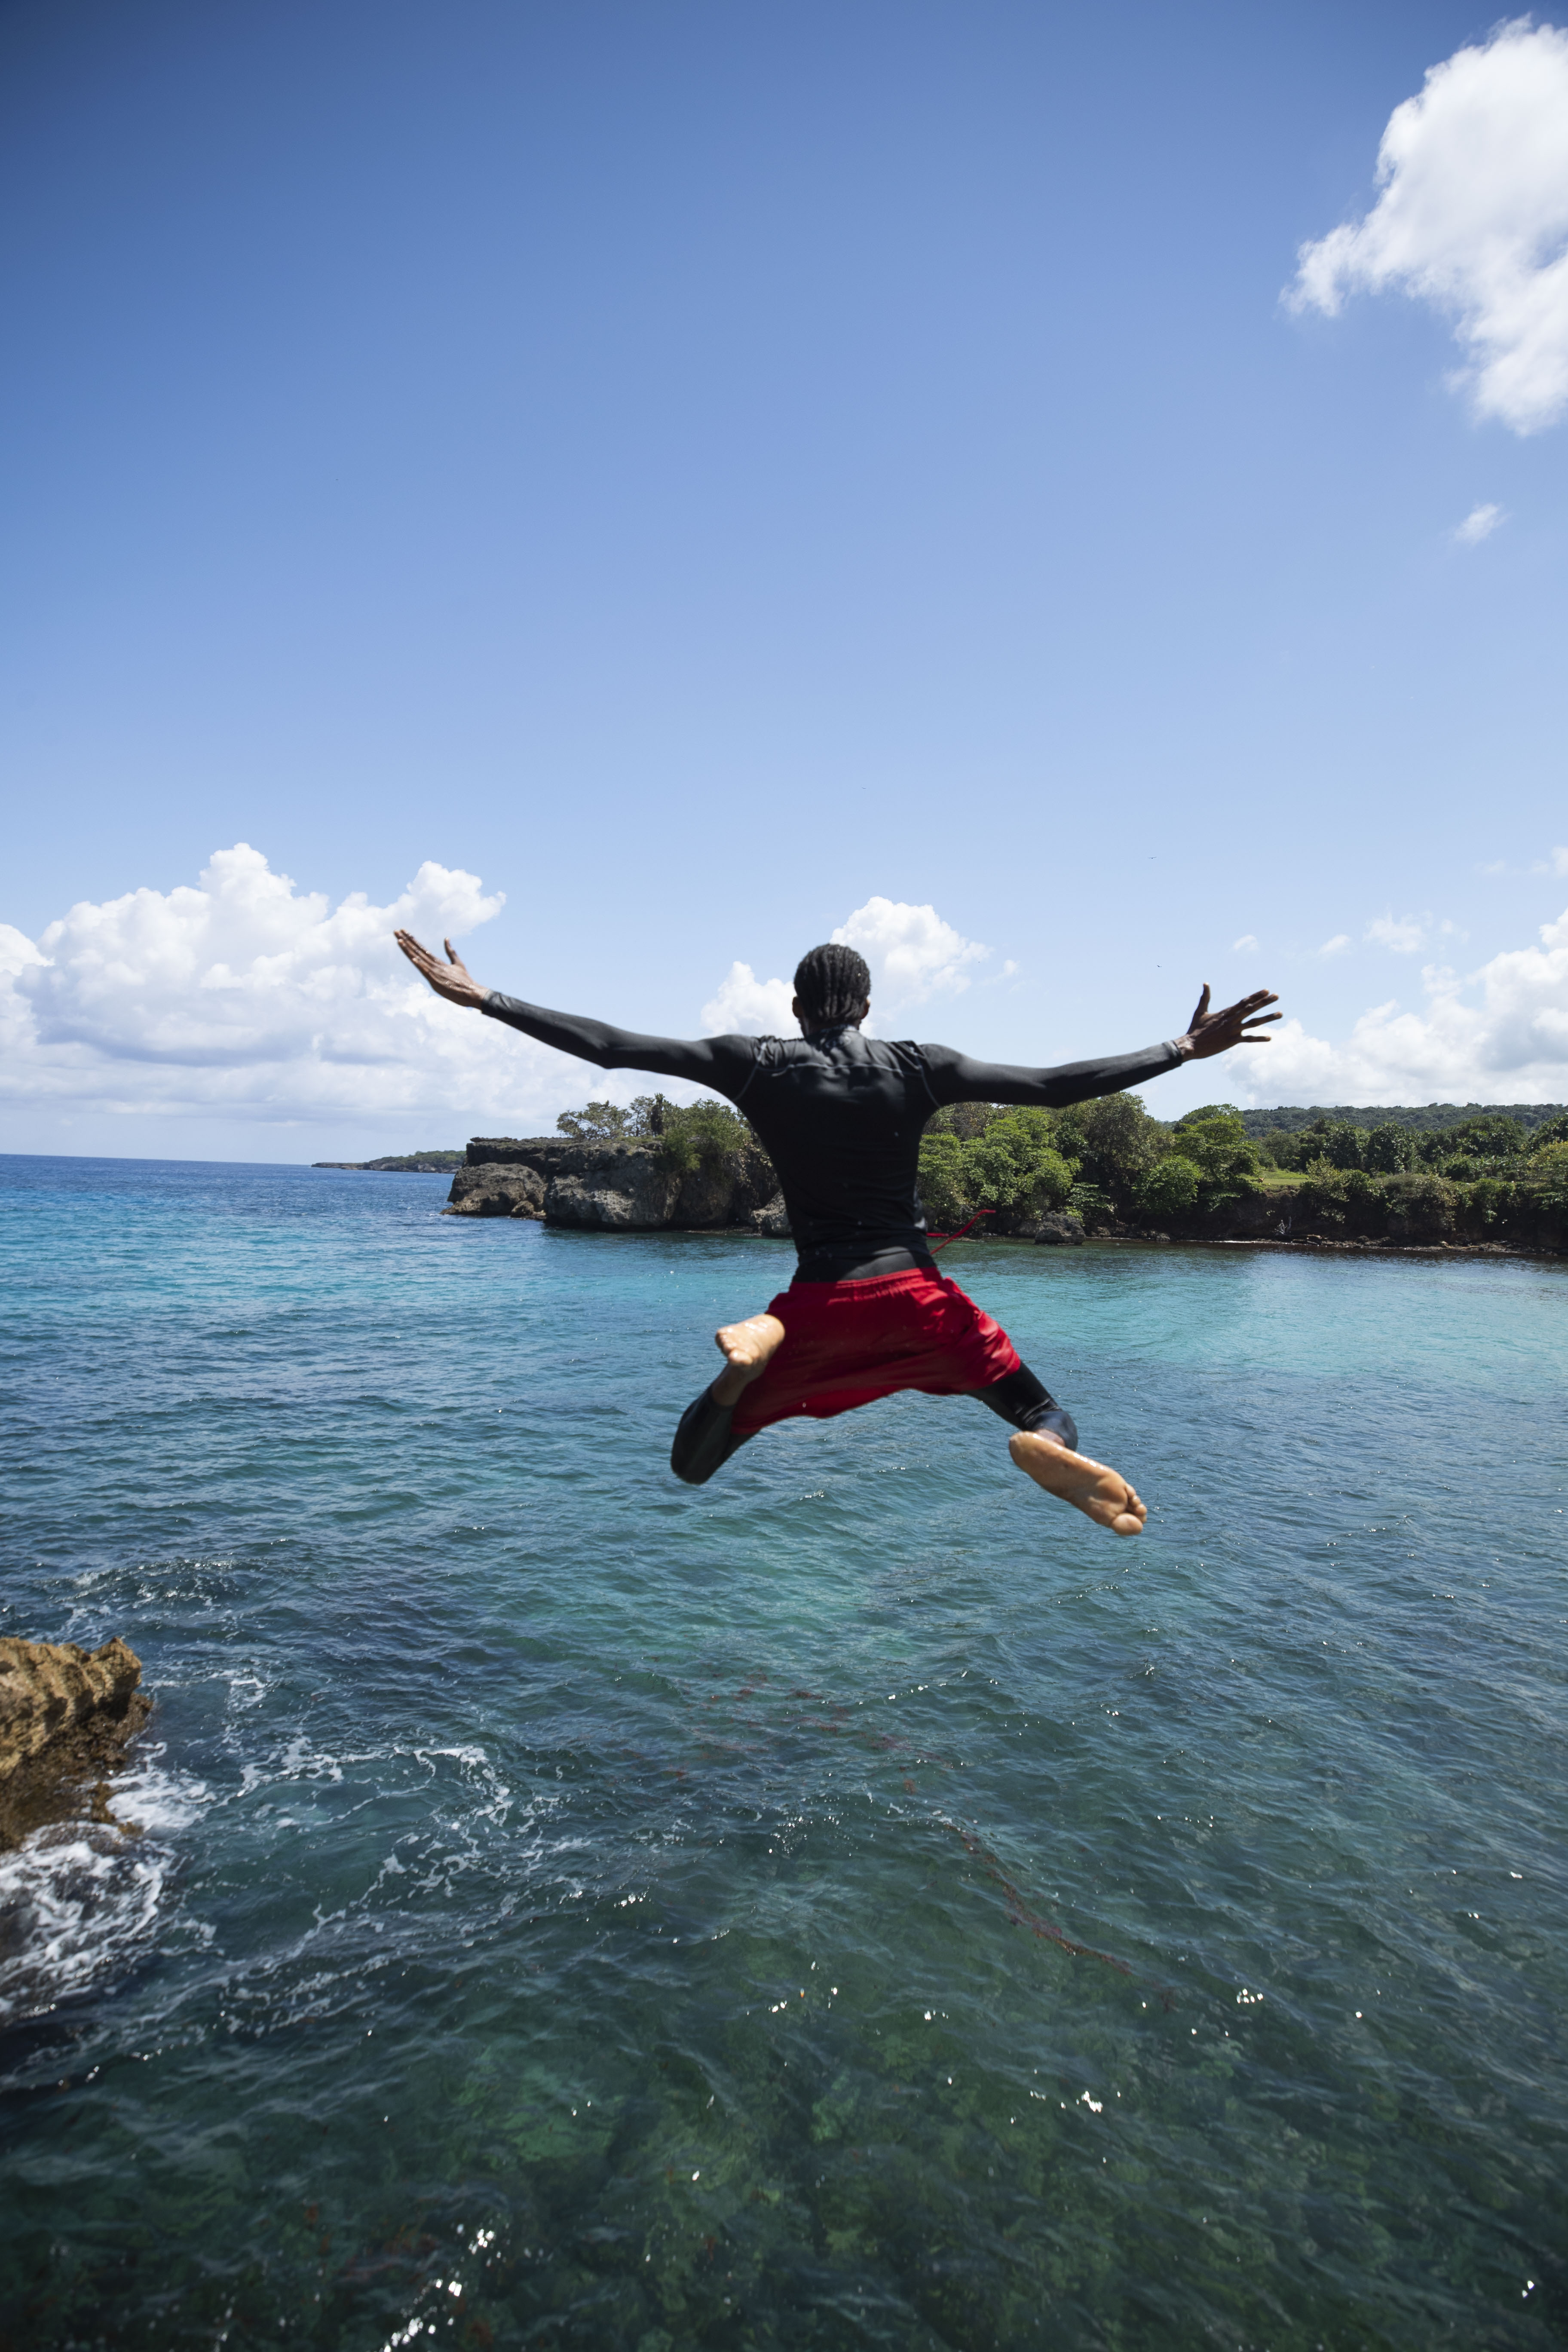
(856, 1904)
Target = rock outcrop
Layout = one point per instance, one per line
(614, 1186)
(66, 1714)
(489, 1192)
(1059, 1226)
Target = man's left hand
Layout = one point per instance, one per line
(1215, 1032)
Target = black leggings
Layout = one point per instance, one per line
(705, 1439)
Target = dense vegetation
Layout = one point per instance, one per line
(1108, 1159)
(1426, 1118)
(1489, 1143)
(687, 1135)
(1113, 1165)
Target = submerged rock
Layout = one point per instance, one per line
(66, 1714)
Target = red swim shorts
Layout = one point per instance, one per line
(847, 1343)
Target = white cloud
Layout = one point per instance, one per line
(249, 1000)
(742, 1005)
(1500, 1035)
(1402, 936)
(1338, 945)
(17, 952)
(913, 954)
(1478, 524)
(1557, 864)
(1245, 945)
(1472, 217)
(244, 1003)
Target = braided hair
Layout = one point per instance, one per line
(832, 983)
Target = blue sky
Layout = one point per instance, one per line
(700, 470)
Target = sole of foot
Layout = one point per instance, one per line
(747, 1348)
(1101, 1494)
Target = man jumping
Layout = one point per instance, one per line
(841, 1115)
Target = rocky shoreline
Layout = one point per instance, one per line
(65, 1715)
(615, 1187)
(618, 1185)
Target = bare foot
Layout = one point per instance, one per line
(748, 1349)
(1104, 1496)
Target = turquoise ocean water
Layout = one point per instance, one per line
(857, 1904)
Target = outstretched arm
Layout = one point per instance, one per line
(956, 1077)
(723, 1063)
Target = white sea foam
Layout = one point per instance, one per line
(80, 1900)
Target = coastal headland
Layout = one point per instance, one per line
(618, 1185)
(1103, 1172)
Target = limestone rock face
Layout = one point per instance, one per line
(1061, 1225)
(490, 1191)
(608, 1185)
(1255, 1216)
(705, 1196)
(640, 1199)
(772, 1219)
(49, 1688)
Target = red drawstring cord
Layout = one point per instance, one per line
(941, 1240)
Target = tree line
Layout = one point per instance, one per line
(1110, 1162)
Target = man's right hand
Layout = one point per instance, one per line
(451, 980)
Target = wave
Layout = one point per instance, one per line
(80, 1901)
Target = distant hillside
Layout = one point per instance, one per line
(411, 1163)
(1424, 1117)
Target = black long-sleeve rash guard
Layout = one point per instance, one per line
(841, 1115)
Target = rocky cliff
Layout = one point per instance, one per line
(615, 1186)
(1415, 1212)
(65, 1715)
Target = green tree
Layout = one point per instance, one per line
(702, 1133)
(1494, 1136)
(649, 1113)
(598, 1122)
(1554, 1132)
(1219, 1146)
(1547, 1179)
(1015, 1164)
(963, 1120)
(1389, 1148)
(685, 1135)
(1435, 1145)
(1071, 1133)
(1292, 1147)
(1169, 1187)
(1008, 1162)
(944, 1180)
(1120, 1140)
(1342, 1146)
